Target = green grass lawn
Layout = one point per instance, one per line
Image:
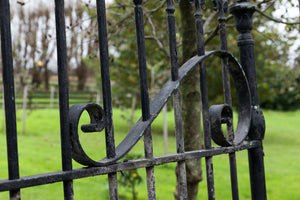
(39, 152)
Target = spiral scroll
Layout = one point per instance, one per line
(97, 122)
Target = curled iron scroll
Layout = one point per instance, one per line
(136, 133)
(96, 125)
(222, 114)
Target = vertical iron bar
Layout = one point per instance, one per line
(176, 100)
(106, 88)
(225, 67)
(204, 99)
(227, 97)
(142, 59)
(63, 96)
(257, 173)
(243, 12)
(233, 176)
(172, 39)
(139, 22)
(9, 96)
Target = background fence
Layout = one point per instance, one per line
(39, 99)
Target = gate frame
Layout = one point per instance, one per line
(103, 119)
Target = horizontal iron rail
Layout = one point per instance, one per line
(53, 177)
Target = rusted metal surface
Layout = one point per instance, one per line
(181, 179)
(243, 12)
(222, 7)
(63, 96)
(136, 133)
(53, 177)
(106, 88)
(251, 123)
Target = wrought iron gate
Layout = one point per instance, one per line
(248, 135)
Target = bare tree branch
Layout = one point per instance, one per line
(263, 35)
(160, 45)
(265, 2)
(274, 19)
(209, 19)
(154, 36)
(157, 8)
(215, 31)
(120, 6)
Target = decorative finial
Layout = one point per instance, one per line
(137, 2)
(220, 5)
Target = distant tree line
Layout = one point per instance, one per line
(34, 49)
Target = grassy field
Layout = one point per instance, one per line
(39, 152)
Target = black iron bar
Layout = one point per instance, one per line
(204, 99)
(53, 177)
(139, 22)
(142, 59)
(105, 76)
(233, 176)
(227, 96)
(63, 96)
(243, 12)
(106, 88)
(9, 96)
(176, 100)
(172, 39)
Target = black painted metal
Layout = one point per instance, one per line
(223, 114)
(9, 96)
(243, 12)
(250, 118)
(204, 99)
(136, 133)
(222, 7)
(106, 88)
(139, 22)
(63, 96)
(182, 183)
(96, 114)
(105, 76)
(53, 177)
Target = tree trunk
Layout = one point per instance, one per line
(191, 101)
(46, 78)
(36, 79)
(82, 74)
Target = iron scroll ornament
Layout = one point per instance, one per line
(96, 114)
(136, 133)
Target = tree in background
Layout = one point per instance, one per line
(80, 41)
(124, 67)
(274, 77)
(123, 54)
(34, 42)
(32, 45)
(123, 48)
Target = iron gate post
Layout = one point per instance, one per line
(243, 12)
